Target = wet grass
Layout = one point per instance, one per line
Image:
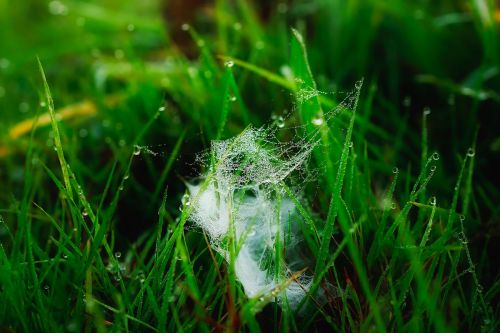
(400, 208)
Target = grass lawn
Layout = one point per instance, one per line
(254, 166)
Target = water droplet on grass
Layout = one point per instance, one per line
(161, 109)
(427, 111)
(229, 64)
(185, 201)
(118, 255)
(395, 170)
(137, 150)
(57, 8)
(432, 201)
(317, 120)
(433, 168)
(280, 122)
(471, 152)
(185, 27)
(435, 156)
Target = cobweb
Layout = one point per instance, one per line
(242, 195)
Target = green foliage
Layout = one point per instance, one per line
(399, 212)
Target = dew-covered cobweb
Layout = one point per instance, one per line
(244, 196)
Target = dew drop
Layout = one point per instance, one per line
(435, 156)
(161, 109)
(57, 8)
(46, 288)
(433, 168)
(317, 120)
(280, 122)
(432, 201)
(85, 213)
(471, 152)
(185, 27)
(393, 205)
(137, 150)
(65, 256)
(43, 104)
(427, 111)
(118, 255)
(232, 98)
(117, 278)
(130, 27)
(185, 201)
(395, 170)
(229, 64)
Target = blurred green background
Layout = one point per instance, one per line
(130, 58)
(151, 73)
